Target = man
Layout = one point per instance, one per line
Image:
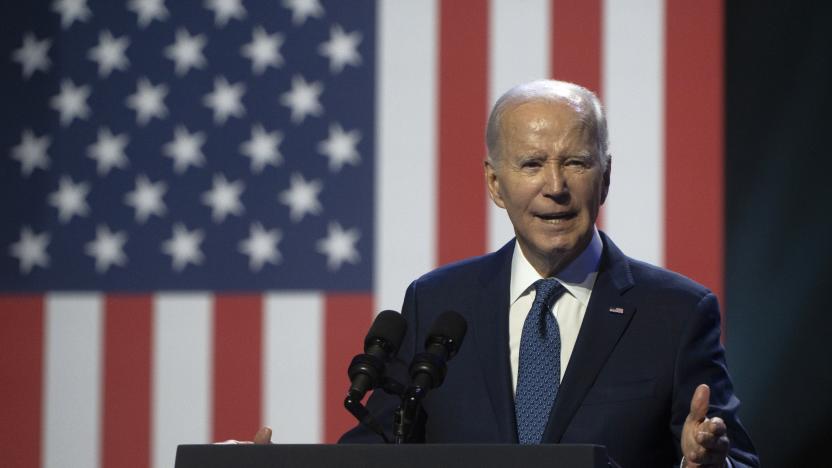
(621, 347)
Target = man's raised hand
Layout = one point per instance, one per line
(704, 440)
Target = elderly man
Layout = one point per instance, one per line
(569, 340)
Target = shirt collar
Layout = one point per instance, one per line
(578, 277)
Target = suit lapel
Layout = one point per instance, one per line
(491, 336)
(606, 318)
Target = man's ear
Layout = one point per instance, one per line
(493, 183)
(606, 188)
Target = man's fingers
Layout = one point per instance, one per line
(703, 456)
(263, 436)
(715, 426)
(709, 430)
(706, 439)
(710, 440)
(699, 403)
(712, 443)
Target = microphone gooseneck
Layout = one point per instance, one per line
(367, 370)
(428, 369)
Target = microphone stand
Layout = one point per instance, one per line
(359, 411)
(428, 372)
(405, 416)
(353, 404)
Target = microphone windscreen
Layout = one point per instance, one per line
(388, 327)
(450, 325)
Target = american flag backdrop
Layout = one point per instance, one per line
(205, 202)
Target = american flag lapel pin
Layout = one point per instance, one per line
(616, 310)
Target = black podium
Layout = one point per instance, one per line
(398, 456)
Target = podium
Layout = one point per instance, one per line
(385, 456)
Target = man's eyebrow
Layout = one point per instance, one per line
(578, 154)
(532, 155)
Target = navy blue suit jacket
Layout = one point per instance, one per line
(629, 381)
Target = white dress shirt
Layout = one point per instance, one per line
(578, 278)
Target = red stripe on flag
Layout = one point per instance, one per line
(576, 42)
(463, 107)
(694, 141)
(127, 361)
(238, 322)
(347, 318)
(21, 379)
(576, 38)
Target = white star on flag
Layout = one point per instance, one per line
(339, 246)
(303, 9)
(339, 147)
(148, 101)
(224, 198)
(262, 148)
(301, 197)
(31, 152)
(108, 151)
(30, 250)
(183, 247)
(146, 198)
(109, 54)
(263, 50)
(302, 99)
(224, 10)
(225, 100)
(71, 102)
(107, 248)
(71, 11)
(261, 246)
(33, 55)
(341, 48)
(186, 51)
(70, 199)
(148, 10)
(185, 149)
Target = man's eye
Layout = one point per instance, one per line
(577, 162)
(530, 164)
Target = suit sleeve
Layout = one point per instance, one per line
(381, 404)
(701, 359)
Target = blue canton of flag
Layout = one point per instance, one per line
(157, 146)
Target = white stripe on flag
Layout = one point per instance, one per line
(406, 147)
(633, 64)
(182, 344)
(518, 52)
(292, 367)
(72, 417)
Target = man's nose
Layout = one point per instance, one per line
(554, 182)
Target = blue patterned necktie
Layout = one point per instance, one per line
(538, 376)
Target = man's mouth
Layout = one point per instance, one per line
(556, 217)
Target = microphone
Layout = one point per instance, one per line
(429, 368)
(381, 344)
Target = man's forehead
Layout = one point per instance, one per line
(532, 110)
(543, 115)
(574, 102)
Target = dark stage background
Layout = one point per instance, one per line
(779, 230)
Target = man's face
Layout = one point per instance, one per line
(549, 178)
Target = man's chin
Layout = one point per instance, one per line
(558, 246)
(560, 249)
(555, 253)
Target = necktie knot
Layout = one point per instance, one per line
(546, 290)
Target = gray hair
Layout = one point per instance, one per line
(579, 98)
